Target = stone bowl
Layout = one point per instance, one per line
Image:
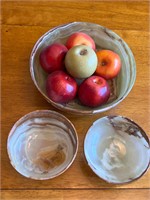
(104, 39)
(117, 149)
(42, 145)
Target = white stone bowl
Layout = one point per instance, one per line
(42, 145)
(117, 149)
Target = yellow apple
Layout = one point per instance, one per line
(81, 61)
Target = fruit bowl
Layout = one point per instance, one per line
(104, 39)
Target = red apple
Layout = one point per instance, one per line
(109, 64)
(61, 87)
(52, 57)
(81, 61)
(80, 38)
(94, 91)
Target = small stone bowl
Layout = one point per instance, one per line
(42, 145)
(117, 149)
(104, 39)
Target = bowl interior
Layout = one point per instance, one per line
(42, 145)
(104, 39)
(117, 149)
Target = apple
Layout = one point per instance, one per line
(81, 61)
(109, 64)
(94, 91)
(52, 57)
(61, 87)
(80, 38)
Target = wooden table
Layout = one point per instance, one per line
(22, 24)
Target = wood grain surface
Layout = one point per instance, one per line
(23, 22)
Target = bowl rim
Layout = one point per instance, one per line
(92, 167)
(63, 107)
(24, 119)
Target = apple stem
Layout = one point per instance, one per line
(83, 52)
(97, 82)
(103, 63)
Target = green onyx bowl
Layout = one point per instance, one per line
(104, 39)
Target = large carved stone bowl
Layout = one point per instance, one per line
(104, 39)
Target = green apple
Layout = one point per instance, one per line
(81, 61)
